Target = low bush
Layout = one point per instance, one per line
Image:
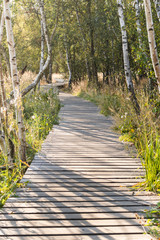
(143, 130)
(40, 114)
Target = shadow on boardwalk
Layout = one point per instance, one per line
(75, 185)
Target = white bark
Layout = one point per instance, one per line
(3, 106)
(15, 81)
(1, 27)
(137, 9)
(157, 6)
(42, 49)
(152, 42)
(126, 56)
(1, 47)
(125, 45)
(48, 41)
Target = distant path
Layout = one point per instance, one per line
(78, 184)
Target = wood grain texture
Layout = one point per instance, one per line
(79, 186)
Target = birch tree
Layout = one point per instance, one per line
(49, 48)
(42, 46)
(138, 24)
(66, 45)
(157, 6)
(152, 42)
(15, 81)
(126, 56)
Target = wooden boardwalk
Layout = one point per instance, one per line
(78, 185)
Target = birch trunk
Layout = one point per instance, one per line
(2, 27)
(92, 48)
(152, 42)
(157, 6)
(6, 142)
(137, 9)
(50, 71)
(69, 67)
(48, 41)
(126, 56)
(67, 52)
(42, 50)
(15, 81)
(7, 148)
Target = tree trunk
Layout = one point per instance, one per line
(48, 41)
(7, 148)
(67, 52)
(136, 5)
(7, 144)
(126, 56)
(42, 49)
(69, 67)
(92, 49)
(15, 81)
(88, 68)
(50, 71)
(157, 6)
(2, 27)
(152, 42)
(2, 48)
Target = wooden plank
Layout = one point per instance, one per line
(84, 198)
(71, 231)
(77, 204)
(83, 237)
(69, 223)
(81, 194)
(43, 172)
(64, 216)
(85, 164)
(73, 189)
(113, 185)
(74, 185)
(90, 175)
(64, 209)
(82, 180)
(94, 169)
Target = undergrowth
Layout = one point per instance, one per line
(143, 130)
(40, 114)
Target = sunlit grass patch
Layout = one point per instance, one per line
(143, 130)
(40, 114)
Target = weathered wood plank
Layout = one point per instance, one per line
(64, 216)
(77, 204)
(69, 223)
(77, 210)
(74, 189)
(83, 237)
(77, 186)
(79, 193)
(71, 231)
(84, 198)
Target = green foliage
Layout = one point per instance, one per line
(107, 103)
(40, 113)
(153, 222)
(143, 130)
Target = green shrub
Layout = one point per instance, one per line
(143, 130)
(40, 114)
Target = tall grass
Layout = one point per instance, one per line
(40, 113)
(143, 130)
